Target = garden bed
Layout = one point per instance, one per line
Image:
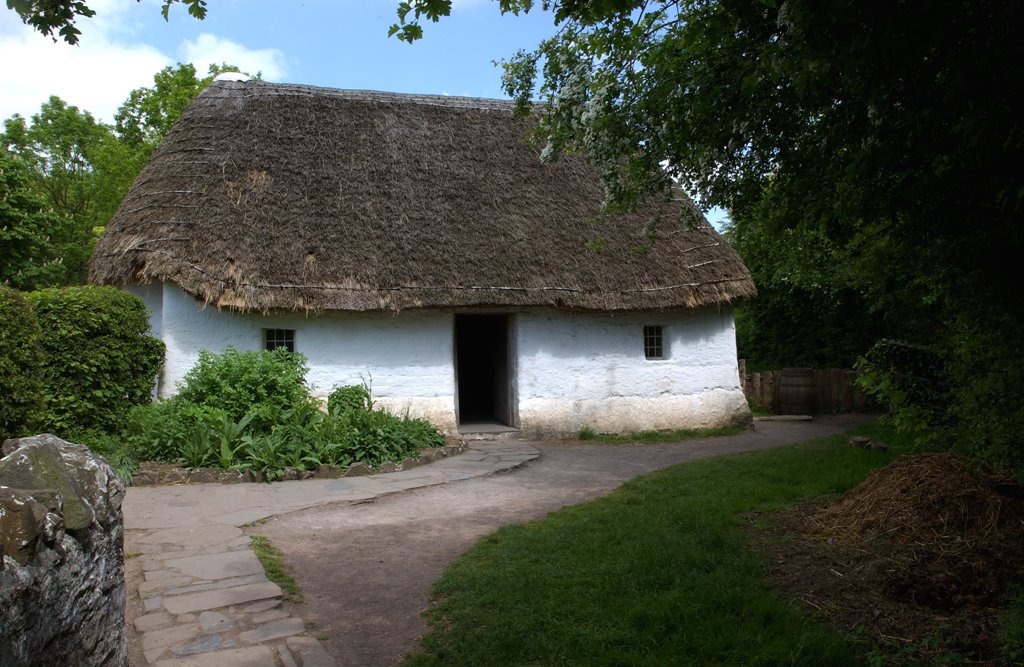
(152, 473)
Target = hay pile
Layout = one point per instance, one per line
(933, 501)
(917, 563)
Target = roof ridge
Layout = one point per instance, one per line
(256, 87)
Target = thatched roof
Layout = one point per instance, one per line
(285, 197)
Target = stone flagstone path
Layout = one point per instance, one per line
(205, 600)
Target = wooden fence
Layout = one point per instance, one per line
(835, 390)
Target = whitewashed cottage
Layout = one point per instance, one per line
(417, 242)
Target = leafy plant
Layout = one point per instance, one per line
(156, 430)
(229, 436)
(265, 454)
(244, 382)
(251, 410)
(349, 398)
(197, 449)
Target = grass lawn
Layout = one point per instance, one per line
(657, 573)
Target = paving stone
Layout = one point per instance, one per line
(186, 618)
(151, 622)
(310, 652)
(150, 565)
(207, 600)
(160, 573)
(242, 517)
(218, 565)
(205, 644)
(169, 636)
(154, 654)
(213, 585)
(151, 604)
(257, 607)
(285, 656)
(211, 622)
(273, 630)
(251, 656)
(192, 537)
(142, 548)
(148, 587)
(271, 615)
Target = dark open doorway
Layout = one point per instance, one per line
(484, 366)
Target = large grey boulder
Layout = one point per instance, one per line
(62, 589)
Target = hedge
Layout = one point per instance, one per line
(21, 358)
(98, 359)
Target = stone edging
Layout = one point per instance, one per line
(151, 473)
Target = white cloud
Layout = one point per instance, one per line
(95, 76)
(209, 49)
(112, 58)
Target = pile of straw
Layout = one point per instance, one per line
(930, 500)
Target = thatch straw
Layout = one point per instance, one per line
(268, 196)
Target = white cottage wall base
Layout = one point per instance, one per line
(406, 359)
(589, 370)
(567, 370)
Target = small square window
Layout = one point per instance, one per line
(654, 342)
(275, 338)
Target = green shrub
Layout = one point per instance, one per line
(910, 380)
(21, 392)
(251, 410)
(154, 431)
(348, 398)
(98, 359)
(1013, 630)
(242, 382)
(986, 392)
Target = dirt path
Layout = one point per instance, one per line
(366, 570)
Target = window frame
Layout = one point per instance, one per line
(654, 342)
(274, 338)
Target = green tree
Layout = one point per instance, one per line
(61, 149)
(30, 233)
(71, 172)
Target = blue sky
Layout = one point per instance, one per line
(340, 44)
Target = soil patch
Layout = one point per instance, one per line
(914, 564)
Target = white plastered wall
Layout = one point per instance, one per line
(572, 370)
(406, 359)
(590, 370)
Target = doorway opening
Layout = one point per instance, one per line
(485, 373)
